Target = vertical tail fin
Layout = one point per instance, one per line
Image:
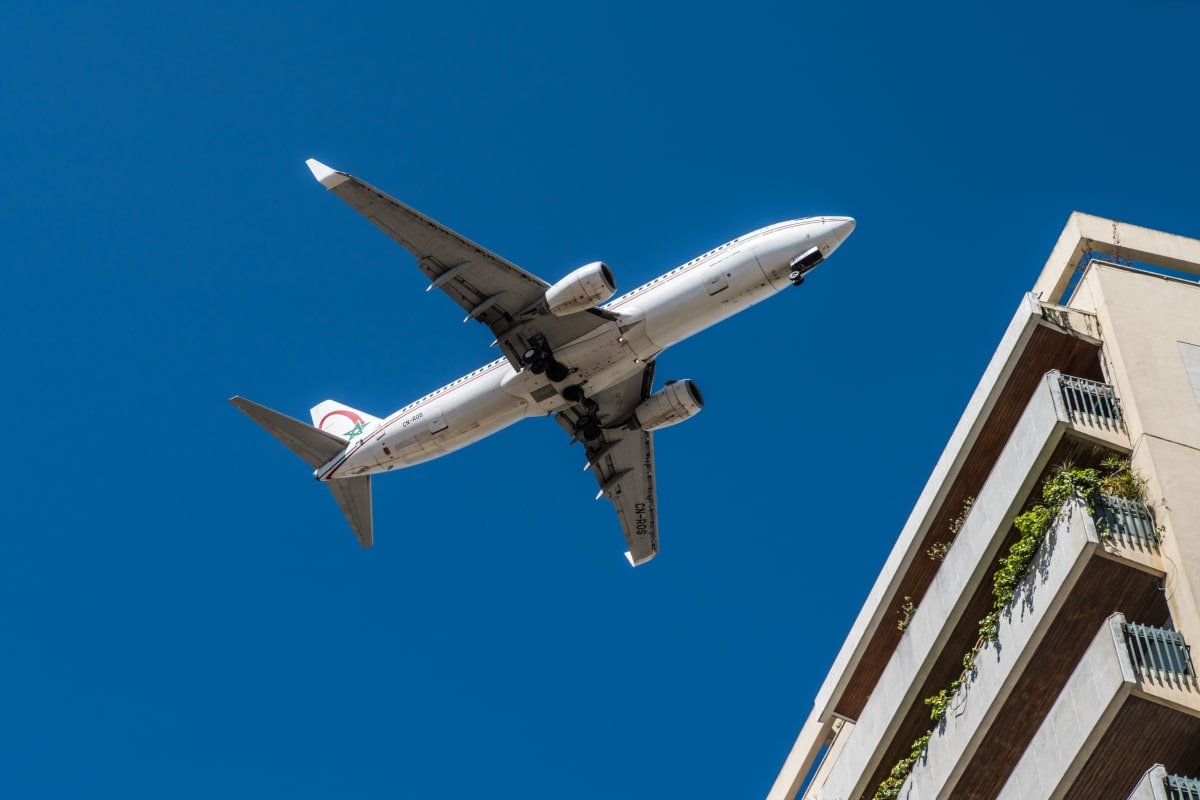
(342, 420)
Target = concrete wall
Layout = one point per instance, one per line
(1104, 678)
(970, 561)
(1151, 787)
(1144, 317)
(874, 610)
(1103, 681)
(1020, 330)
(1085, 232)
(1035, 605)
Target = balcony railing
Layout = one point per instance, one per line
(1160, 654)
(1091, 403)
(1180, 788)
(1126, 521)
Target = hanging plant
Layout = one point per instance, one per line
(1118, 479)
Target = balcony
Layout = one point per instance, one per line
(1156, 784)
(1058, 424)
(1131, 702)
(1080, 570)
(1040, 337)
(1160, 655)
(1091, 403)
(1127, 523)
(1179, 788)
(1092, 409)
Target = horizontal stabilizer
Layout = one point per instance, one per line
(315, 446)
(353, 496)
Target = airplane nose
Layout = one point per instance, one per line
(843, 228)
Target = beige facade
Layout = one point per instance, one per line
(1087, 688)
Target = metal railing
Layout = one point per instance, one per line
(1127, 521)
(1160, 653)
(1091, 402)
(1181, 788)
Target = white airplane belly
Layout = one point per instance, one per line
(715, 292)
(479, 412)
(459, 417)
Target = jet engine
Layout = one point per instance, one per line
(586, 287)
(671, 404)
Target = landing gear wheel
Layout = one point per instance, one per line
(592, 433)
(587, 422)
(573, 393)
(539, 359)
(796, 277)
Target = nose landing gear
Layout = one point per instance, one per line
(803, 263)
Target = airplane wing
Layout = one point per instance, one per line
(487, 287)
(623, 462)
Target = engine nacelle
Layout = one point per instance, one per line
(586, 287)
(671, 404)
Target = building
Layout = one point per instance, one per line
(1088, 690)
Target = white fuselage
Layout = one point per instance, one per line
(653, 317)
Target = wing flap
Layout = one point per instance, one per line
(622, 461)
(626, 476)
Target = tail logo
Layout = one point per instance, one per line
(359, 424)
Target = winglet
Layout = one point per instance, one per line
(328, 176)
(638, 562)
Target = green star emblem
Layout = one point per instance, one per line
(355, 431)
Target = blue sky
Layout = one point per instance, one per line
(186, 613)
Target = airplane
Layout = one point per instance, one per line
(568, 350)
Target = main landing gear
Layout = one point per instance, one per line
(587, 424)
(539, 359)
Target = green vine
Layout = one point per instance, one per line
(889, 789)
(939, 704)
(1115, 478)
(1118, 479)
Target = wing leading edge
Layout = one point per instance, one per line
(487, 287)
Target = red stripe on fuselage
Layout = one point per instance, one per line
(402, 413)
(620, 301)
